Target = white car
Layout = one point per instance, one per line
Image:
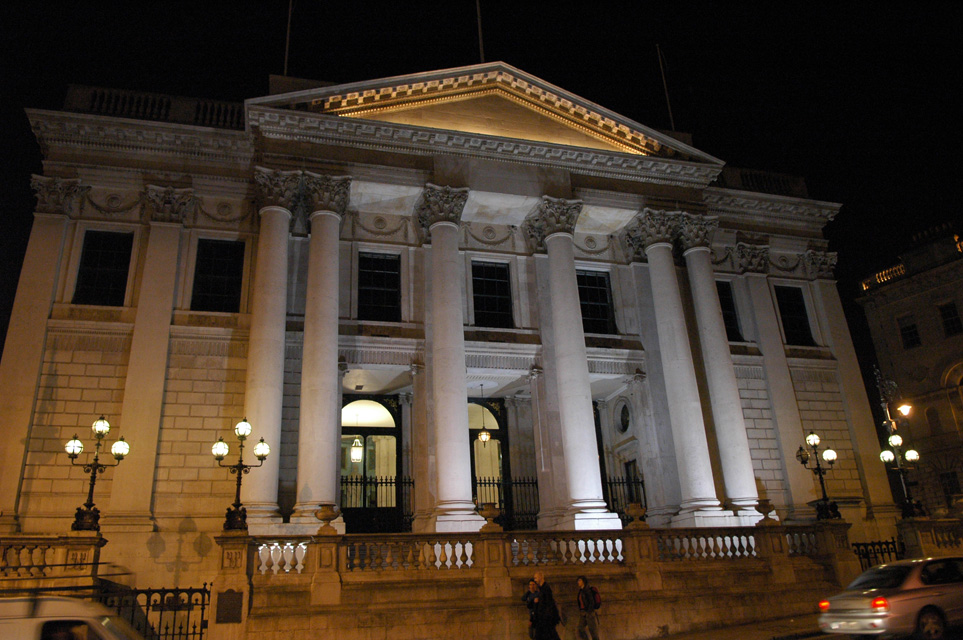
(53, 618)
(910, 597)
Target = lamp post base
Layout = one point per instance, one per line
(236, 519)
(86, 519)
(827, 510)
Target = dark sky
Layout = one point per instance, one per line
(861, 99)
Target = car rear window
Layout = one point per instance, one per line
(885, 577)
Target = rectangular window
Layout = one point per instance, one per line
(595, 296)
(729, 315)
(492, 295)
(951, 319)
(379, 287)
(104, 266)
(795, 320)
(218, 271)
(908, 332)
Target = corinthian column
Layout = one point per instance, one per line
(277, 191)
(553, 226)
(652, 232)
(730, 425)
(319, 427)
(439, 215)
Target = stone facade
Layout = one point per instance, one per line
(320, 183)
(913, 309)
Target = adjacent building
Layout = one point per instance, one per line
(424, 293)
(914, 310)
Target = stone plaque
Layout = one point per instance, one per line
(229, 605)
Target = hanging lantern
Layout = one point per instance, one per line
(484, 435)
(357, 450)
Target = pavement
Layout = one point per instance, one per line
(795, 628)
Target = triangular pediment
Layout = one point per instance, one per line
(492, 99)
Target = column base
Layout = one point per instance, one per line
(456, 517)
(263, 519)
(710, 518)
(589, 521)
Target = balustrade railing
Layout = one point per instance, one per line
(802, 541)
(565, 548)
(706, 544)
(281, 556)
(38, 556)
(408, 552)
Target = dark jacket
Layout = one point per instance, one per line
(546, 614)
(586, 599)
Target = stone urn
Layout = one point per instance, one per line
(637, 512)
(764, 506)
(489, 512)
(326, 514)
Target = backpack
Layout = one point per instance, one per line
(597, 596)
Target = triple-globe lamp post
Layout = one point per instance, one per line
(826, 509)
(236, 519)
(899, 457)
(87, 517)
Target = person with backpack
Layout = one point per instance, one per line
(589, 601)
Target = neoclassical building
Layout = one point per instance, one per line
(913, 309)
(379, 276)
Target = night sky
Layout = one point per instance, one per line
(861, 99)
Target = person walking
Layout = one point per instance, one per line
(530, 598)
(588, 617)
(546, 611)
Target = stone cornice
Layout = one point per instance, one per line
(88, 132)
(335, 130)
(728, 201)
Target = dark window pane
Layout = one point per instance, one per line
(908, 332)
(379, 287)
(595, 294)
(729, 315)
(104, 265)
(492, 295)
(951, 320)
(795, 320)
(218, 271)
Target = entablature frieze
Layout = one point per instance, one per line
(765, 210)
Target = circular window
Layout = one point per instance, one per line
(625, 419)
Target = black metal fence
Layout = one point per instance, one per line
(161, 614)
(621, 492)
(362, 497)
(877, 552)
(517, 498)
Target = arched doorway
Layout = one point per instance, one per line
(373, 496)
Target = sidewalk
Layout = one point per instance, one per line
(796, 628)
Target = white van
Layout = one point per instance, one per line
(53, 618)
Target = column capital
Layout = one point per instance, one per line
(819, 265)
(553, 215)
(326, 193)
(696, 231)
(416, 368)
(752, 258)
(59, 195)
(652, 226)
(534, 372)
(167, 204)
(277, 188)
(440, 204)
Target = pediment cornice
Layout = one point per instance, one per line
(300, 126)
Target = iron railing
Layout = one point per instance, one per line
(386, 492)
(877, 552)
(621, 492)
(517, 498)
(161, 614)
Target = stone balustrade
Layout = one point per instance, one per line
(452, 584)
(927, 537)
(69, 560)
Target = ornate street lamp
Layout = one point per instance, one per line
(484, 435)
(825, 508)
(87, 517)
(236, 519)
(901, 464)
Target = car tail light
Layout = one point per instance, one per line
(824, 605)
(880, 604)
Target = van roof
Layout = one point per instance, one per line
(49, 607)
